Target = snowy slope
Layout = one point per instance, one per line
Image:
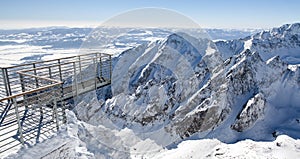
(282, 147)
(82, 140)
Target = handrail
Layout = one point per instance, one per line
(63, 58)
(36, 89)
(59, 62)
(66, 63)
(31, 91)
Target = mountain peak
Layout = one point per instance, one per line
(283, 41)
(294, 28)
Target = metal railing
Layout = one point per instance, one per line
(33, 96)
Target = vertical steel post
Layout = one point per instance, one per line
(50, 73)
(59, 69)
(41, 106)
(5, 80)
(110, 68)
(100, 66)
(60, 77)
(23, 90)
(7, 85)
(80, 74)
(96, 68)
(75, 78)
(18, 120)
(95, 71)
(61, 95)
(22, 83)
(35, 73)
(56, 113)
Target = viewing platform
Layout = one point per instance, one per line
(33, 96)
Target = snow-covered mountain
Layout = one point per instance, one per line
(201, 95)
(178, 88)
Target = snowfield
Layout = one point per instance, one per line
(75, 141)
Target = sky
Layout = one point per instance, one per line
(207, 13)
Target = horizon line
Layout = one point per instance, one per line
(26, 24)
